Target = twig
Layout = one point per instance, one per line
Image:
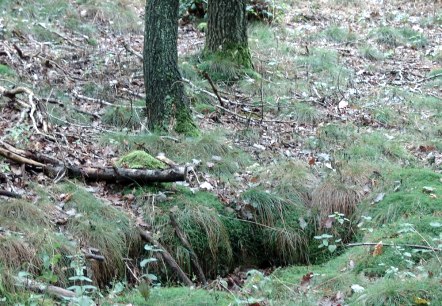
(193, 257)
(215, 90)
(59, 34)
(146, 236)
(132, 51)
(435, 76)
(414, 246)
(231, 112)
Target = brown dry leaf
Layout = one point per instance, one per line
(378, 249)
(305, 281)
(65, 197)
(424, 148)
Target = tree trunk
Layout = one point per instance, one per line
(227, 30)
(167, 105)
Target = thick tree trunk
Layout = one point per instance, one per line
(167, 105)
(227, 30)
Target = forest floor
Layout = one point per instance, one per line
(335, 138)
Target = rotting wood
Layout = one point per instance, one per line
(54, 168)
(146, 236)
(193, 257)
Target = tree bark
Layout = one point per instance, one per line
(167, 105)
(227, 30)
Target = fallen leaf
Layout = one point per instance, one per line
(421, 301)
(357, 288)
(379, 197)
(378, 249)
(207, 186)
(302, 223)
(305, 280)
(427, 189)
(427, 148)
(343, 104)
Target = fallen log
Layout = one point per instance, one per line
(123, 175)
(146, 236)
(55, 168)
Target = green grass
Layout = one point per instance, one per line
(393, 37)
(130, 117)
(400, 292)
(284, 240)
(371, 53)
(103, 227)
(304, 113)
(338, 34)
(377, 147)
(177, 297)
(7, 71)
(410, 199)
(320, 60)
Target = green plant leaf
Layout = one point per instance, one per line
(332, 248)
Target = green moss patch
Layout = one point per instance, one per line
(140, 160)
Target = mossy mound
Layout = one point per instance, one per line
(140, 160)
(199, 215)
(399, 273)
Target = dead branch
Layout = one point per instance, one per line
(247, 119)
(30, 106)
(414, 246)
(193, 257)
(19, 159)
(100, 101)
(215, 90)
(146, 236)
(35, 286)
(431, 77)
(9, 194)
(132, 51)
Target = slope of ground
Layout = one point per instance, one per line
(334, 139)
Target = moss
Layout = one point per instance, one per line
(185, 124)
(140, 159)
(229, 66)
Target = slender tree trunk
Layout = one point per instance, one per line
(167, 105)
(227, 30)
